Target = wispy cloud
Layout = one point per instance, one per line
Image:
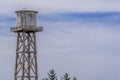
(79, 37)
(92, 50)
(109, 18)
(60, 6)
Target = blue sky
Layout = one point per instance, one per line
(80, 37)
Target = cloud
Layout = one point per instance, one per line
(95, 17)
(80, 37)
(82, 49)
(60, 6)
(87, 49)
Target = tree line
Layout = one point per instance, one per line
(52, 75)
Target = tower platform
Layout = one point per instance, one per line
(26, 29)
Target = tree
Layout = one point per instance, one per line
(51, 75)
(66, 77)
(74, 78)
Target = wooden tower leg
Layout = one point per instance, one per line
(26, 57)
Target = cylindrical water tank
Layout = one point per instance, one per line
(26, 18)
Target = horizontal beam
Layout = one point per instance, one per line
(25, 52)
(24, 76)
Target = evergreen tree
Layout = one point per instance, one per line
(66, 77)
(51, 75)
(74, 78)
(45, 79)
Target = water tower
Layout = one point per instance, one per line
(26, 52)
